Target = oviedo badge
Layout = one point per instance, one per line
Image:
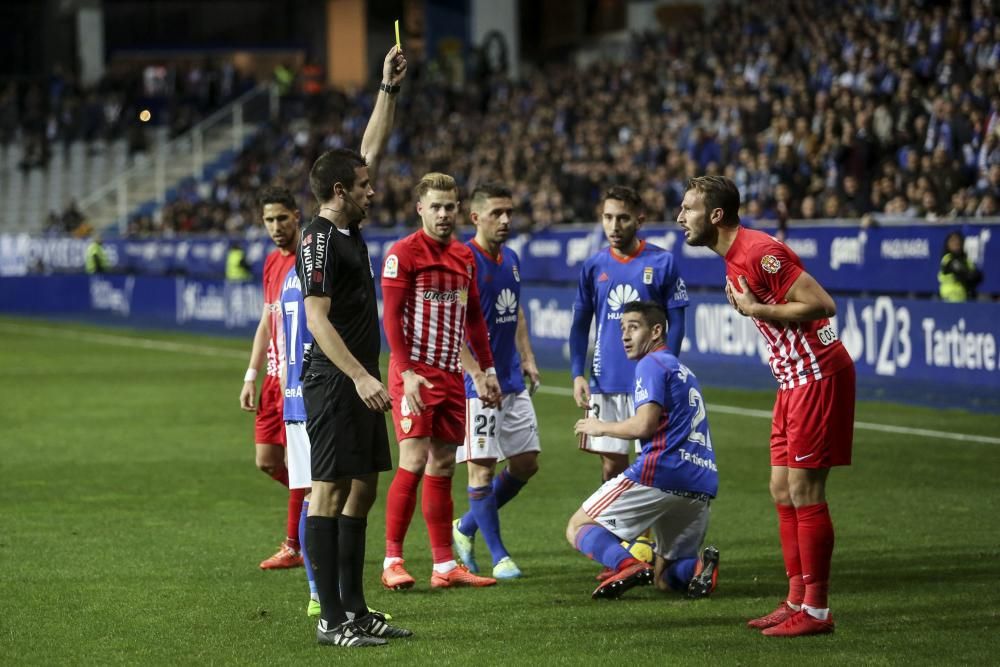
(647, 275)
(770, 263)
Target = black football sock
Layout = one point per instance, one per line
(352, 564)
(322, 542)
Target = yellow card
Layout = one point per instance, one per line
(398, 45)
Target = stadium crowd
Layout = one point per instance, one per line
(59, 110)
(828, 110)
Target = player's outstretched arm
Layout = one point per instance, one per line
(523, 342)
(257, 351)
(640, 426)
(380, 124)
(371, 391)
(807, 301)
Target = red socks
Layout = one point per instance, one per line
(295, 499)
(438, 508)
(815, 550)
(281, 476)
(788, 530)
(399, 506)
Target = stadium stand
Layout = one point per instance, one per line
(874, 110)
(886, 108)
(60, 141)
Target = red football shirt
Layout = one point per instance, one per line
(276, 267)
(800, 352)
(440, 283)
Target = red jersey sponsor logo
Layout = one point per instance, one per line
(437, 296)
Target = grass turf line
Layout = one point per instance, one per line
(133, 521)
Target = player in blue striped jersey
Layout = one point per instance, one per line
(669, 486)
(629, 270)
(297, 342)
(509, 430)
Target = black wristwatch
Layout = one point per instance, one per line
(389, 88)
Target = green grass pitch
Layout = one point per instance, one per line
(132, 521)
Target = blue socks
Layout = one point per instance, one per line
(305, 552)
(600, 544)
(678, 574)
(505, 487)
(483, 508)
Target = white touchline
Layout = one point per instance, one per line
(210, 351)
(125, 341)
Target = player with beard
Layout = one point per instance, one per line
(629, 270)
(510, 430)
(431, 302)
(812, 427)
(281, 219)
(342, 389)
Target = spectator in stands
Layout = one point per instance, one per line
(878, 103)
(958, 275)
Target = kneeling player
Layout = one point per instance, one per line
(668, 488)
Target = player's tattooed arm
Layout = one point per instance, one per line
(806, 301)
(379, 127)
(640, 426)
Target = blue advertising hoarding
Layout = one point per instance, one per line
(882, 260)
(904, 349)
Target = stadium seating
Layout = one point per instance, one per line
(886, 108)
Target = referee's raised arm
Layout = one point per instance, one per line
(380, 124)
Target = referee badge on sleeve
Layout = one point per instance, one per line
(647, 275)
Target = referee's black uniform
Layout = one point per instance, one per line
(347, 438)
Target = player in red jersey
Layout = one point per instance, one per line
(812, 427)
(431, 303)
(281, 219)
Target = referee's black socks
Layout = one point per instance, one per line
(322, 541)
(352, 564)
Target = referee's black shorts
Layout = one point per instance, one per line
(347, 439)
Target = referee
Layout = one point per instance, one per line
(342, 388)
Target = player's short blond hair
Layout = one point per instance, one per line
(435, 181)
